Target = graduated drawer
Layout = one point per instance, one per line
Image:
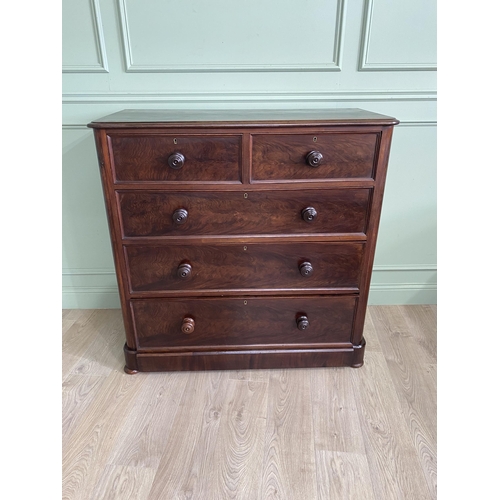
(244, 266)
(243, 322)
(293, 157)
(237, 213)
(175, 158)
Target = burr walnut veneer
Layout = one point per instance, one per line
(243, 239)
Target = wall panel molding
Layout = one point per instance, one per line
(366, 33)
(74, 126)
(235, 97)
(102, 65)
(402, 294)
(131, 67)
(69, 271)
(407, 267)
(414, 123)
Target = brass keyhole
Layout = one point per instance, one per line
(315, 139)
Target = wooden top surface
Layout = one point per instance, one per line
(242, 118)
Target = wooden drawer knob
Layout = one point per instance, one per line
(184, 271)
(302, 322)
(314, 158)
(306, 269)
(309, 214)
(176, 161)
(187, 325)
(180, 216)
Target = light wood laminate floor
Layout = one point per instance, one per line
(301, 434)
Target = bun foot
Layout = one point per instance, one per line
(359, 352)
(130, 361)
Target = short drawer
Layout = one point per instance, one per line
(245, 266)
(242, 322)
(175, 158)
(313, 156)
(238, 213)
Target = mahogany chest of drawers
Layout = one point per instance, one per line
(243, 239)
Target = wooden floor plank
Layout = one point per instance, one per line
(93, 439)
(422, 323)
(77, 394)
(236, 473)
(77, 314)
(104, 352)
(289, 467)
(66, 325)
(189, 451)
(77, 338)
(406, 357)
(370, 333)
(147, 428)
(414, 382)
(123, 483)
(335, 413)
(343, 476)
(395, 468)
(251, 375)
(71, 317)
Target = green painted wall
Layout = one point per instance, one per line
(379, 55)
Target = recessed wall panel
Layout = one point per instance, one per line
(226, 35)
(399, 35)
(82, 37)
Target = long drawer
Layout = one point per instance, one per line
(164, 213)
(238, 266)
(253, 322)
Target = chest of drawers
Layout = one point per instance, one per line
(243, 239)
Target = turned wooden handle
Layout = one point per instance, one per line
(176, 161)
(314, 158)
(184, 271)
(180, 216)
(302, 322)
(306, 269)
(187, 325)
(309, 214)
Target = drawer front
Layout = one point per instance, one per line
(244, 322)
(245, 266)
(286, 157)
(173, 158)
(238, 213)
